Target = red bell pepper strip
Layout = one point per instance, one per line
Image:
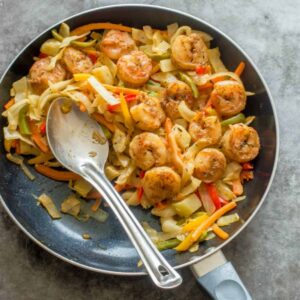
(93, 57)
(140, 189)
(223, 201)
(200, 70)
(247, 166)
(212, 191)
(128, 98)
(43, 55)
(43, 128)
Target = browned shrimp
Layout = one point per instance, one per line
(134, 68)
(39, 76)
(210, 165)
(189, 51)
(148, 150)
(76, 61)
(161, 183)
(148, 114)
(175, 93)
(228, 97)
(208, 129)
(117, 43)
(240, 143)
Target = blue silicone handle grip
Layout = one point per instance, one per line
(223, 283)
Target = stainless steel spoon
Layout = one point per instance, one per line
(70, 137)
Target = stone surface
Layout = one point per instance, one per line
(267, 253)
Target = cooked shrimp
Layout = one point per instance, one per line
(134, 68)
(210, 165)
(228, 97)
(148, 150)
(161, 183)
(117, 43)
(189, 51)
(76, 61)
(175, 93)
(148, 114)
(39, 77)
(208, 129)
(241, 143)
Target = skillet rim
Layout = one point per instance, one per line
(194, 259)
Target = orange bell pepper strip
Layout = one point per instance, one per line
(220, 232)
(99, 26)
(56, 174)
(195, 235)
(240, 68)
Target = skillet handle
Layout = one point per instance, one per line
(219, 278)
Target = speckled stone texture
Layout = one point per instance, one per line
(267, 253)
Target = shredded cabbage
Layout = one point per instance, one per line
(214, 57)
(102, 91)
(20, 88)
(12, 114)
(166, 65)
(185, 112)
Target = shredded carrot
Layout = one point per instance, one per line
(93, 194)
(161, 205)
(18, 147)
(246, 175)
(99, 26)
(82, 107)
(119, 187)
(56, 174)
(207, 85)
(9, 103)
(96, 205)
(195, 235)
(100, 119)
(120, 89)
(220, 232)
(175, 152)
(217, 79)
(140, 193)
(37, 138)
(240, 68)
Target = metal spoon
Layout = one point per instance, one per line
(70, 137)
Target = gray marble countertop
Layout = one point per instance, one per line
(267, 253)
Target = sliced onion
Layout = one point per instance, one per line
(206, 200)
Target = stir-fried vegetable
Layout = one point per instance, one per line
(171, 114)
(49, 205)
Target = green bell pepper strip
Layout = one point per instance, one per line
(106, 132)
(58, 37)
(156, 56)
(23, 123)
(239, 118)
(190, 82)
(169, 244)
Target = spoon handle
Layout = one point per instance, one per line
(162, 274)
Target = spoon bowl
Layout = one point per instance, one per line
(77, 142)
(71, 137)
